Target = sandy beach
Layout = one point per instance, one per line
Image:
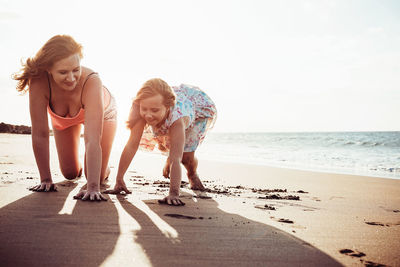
(252, 215)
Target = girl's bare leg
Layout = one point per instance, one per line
(190, 162)
(67, 144)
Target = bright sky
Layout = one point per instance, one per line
(268, 65)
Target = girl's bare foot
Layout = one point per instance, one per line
(195, 183)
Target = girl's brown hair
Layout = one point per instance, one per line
(55, 49)
(151, 88)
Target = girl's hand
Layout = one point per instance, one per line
(119, 187)
(90, 195)
(172, 201)
(44, 186)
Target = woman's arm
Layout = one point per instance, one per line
(127, 155)
(92, 99)
(177, 142)
(38, 102)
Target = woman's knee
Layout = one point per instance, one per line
(71, 173)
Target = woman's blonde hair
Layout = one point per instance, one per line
(55, 49)
(151, 88)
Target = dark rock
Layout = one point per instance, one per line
(15, 129)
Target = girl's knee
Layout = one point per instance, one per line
(190, 163)
(188, 159)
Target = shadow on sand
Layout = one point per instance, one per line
(208, 236)
(33, 233)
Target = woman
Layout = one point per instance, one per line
(72, 95)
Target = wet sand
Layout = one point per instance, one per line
(250, 216)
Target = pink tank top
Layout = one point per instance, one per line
(62, 123)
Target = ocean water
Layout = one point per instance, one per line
(360, 153)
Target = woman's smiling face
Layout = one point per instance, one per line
(153, 110)
(67, 72)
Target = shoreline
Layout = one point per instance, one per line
(391, 174)
(253, 215)
(311, 169)
(380, 175)
(369, 154)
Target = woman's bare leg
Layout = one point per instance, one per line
(190, 162)
(107, 138)
(67, 144)
(109, 129)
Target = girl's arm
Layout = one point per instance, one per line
(177, 142)
(127, 155)
(92, 98)
(38, 102)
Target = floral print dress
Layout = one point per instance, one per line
(198, 112)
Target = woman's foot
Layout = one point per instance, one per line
(84, 187)
(80, 173)
(195, 183)
(107, 174)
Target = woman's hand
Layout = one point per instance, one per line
(172, 200)
(119, 187)
(44, 186)
(90, 195)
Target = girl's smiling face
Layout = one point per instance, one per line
(67, 72)
(153, 110)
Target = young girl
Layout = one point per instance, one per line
(72, 95)
(176, 119)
